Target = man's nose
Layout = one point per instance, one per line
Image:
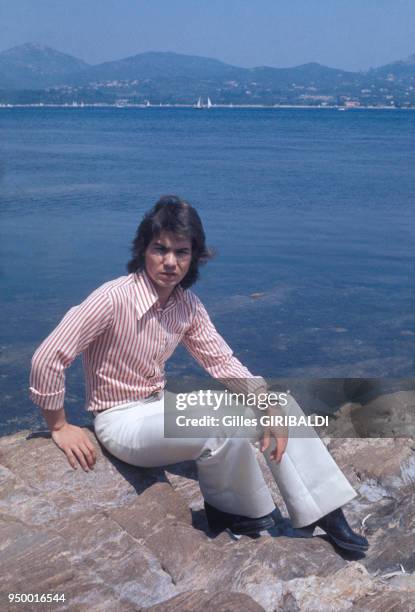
(170, 260)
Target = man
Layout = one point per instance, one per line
(126, 330)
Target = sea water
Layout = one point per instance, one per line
(311, 213)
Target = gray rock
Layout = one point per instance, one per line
(387, 416)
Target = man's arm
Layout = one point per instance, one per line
(210, 350)
(80, 326)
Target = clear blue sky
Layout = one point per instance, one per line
(350, 34)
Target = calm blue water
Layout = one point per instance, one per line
(314, 209)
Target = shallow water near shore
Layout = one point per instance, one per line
(310, 211)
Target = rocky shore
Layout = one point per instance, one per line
(125, 538)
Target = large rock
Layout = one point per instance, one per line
(125, 538)
(200, 601)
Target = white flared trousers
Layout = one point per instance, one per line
(230, 478)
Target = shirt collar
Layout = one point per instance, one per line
(147, 294)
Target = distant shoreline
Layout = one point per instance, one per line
(213, 107)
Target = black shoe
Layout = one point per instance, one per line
(284, 527)
(339, 531)
(240, 525)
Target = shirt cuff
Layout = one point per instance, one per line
(48, 401)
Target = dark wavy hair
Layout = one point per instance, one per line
(171, 214)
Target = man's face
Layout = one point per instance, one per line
(167, 259)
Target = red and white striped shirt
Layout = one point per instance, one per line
(126, 338)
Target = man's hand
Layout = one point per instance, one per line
(278, 432)
(74, 442)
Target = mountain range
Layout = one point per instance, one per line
(33, 73)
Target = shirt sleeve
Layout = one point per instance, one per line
(80, 326)
(210, 350)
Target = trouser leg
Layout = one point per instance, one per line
(229, 475)
(230, 479)
(310, 481)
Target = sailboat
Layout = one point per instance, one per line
(199, 104)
